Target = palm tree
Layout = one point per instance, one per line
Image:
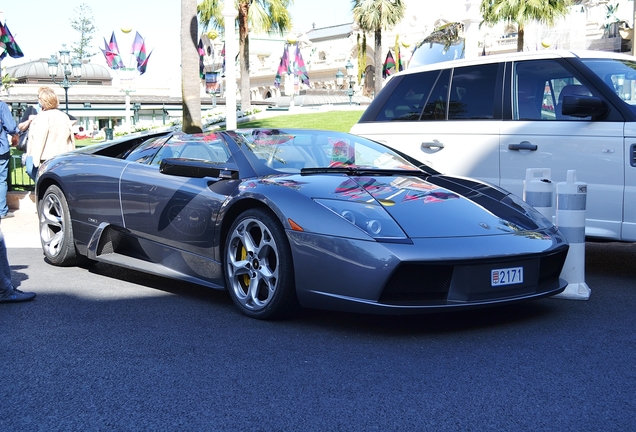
(376, 16)
(254, 15)
(190, 83)
(522, 11)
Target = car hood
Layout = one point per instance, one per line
(435, 206)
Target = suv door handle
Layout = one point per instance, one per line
(523, 145)
(433, 145)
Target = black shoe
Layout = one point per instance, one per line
(15, 296)
(7, 215)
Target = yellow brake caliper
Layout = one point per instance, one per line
(246, 276)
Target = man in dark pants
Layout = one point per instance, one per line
(8, 294)
(8, 126)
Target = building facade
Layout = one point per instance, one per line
(98, 101)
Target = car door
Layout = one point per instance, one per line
(540, 136)
(176, 211)
(448, 119)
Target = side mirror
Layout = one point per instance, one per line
(196, 168)
(584, 106)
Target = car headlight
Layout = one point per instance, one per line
(369, 217)
(530, 212)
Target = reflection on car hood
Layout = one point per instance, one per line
(424, 208)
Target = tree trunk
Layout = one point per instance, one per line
(520, 41)
(244, 48)
(190, 80)
(377, 60)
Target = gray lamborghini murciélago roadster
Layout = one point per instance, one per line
(290, 217)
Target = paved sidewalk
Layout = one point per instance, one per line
(21, 231)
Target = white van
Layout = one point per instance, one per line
(495, 116)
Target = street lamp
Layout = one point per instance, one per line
(136, 108)
(69, 67)
(339, 78)
(349, 69)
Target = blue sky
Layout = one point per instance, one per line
(41, 27)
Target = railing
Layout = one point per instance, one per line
(18, 178)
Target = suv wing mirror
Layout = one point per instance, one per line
(583, 106)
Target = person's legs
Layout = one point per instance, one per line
(5, 269)
(4, 173)
(8, 294)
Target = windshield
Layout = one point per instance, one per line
(290, 151)
(619, 75)
(433, 52)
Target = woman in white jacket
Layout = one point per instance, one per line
(50, 132)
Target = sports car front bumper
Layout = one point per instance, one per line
(431, 274)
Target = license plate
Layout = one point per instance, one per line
(506, 276)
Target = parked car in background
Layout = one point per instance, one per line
(284, 217)
(496, 116)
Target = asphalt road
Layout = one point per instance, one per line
(103, 348)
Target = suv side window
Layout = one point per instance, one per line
(435, 108)
(407, 100)
(472, 94)
(539, 87)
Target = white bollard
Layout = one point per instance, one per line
(538, 191)
(570, 218)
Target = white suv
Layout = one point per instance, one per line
(495, 116)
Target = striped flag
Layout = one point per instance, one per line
(400, 65)
(223, 56)
(201, 52)
(112, 46)
(111, 52)
(389, 65)
(283, 67)
(142, 67)
(139, 49)
(302, 70)
(8, 44)
(292, 64)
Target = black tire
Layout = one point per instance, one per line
(258, 266)
(56, 231)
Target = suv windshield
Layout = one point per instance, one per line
(619, 75)
(433, 52)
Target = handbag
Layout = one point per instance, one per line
(22, 142)
(30, 169)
